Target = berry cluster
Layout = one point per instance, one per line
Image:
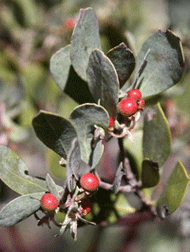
(79, 205)
(131, 104)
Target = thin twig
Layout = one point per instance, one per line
(133, 184)
(102, 184)
(126, 189)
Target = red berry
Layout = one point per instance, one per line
(49, 202)
(89, 182)
(69, 23)
(135, 94)
(86, 206)
(141, 104)
(111, 122)
(127, 106)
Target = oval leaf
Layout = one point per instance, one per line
(77, 88)
(52, 187)
(150, 173)
(123, 61)
(14, 173)
(84, 118)
(56, 170)
(60, 64)
(73, 164)
(55, 132)
(175, 190)
(103, 81)
(85, 39)
(66, 78)
(122, 206)
(98, 146)
(164, 63)
(20, 209)
(133, 148)
(156, 136)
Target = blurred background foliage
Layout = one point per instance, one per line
(30, 32)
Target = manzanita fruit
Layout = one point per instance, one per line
(69, 23)
(49, 202)
(141, 103)
(111, 122)
(89, 182)
(135, 94)
(86, 206)
(127, 106)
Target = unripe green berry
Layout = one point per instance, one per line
(60, 217)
